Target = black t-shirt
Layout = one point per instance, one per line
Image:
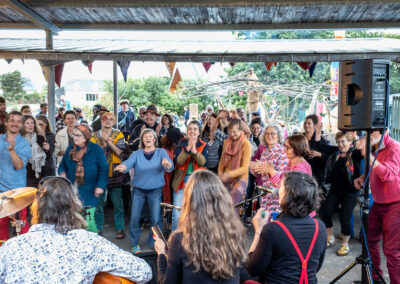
(177, 272)
(275, 256)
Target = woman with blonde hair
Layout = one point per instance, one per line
(210, 242)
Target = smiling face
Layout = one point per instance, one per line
(148, 140)
(234, 132)
(151, 118)
(289, 151)
(79, 138)
(271, 136)
(210, 122)
(343, 144)
(42, 124)
(29, 126)
(309, 126)
(165, 120)
(14, 123)
(255, 129)
(193, 131)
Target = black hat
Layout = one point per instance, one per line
(174, 134)
(153, 109)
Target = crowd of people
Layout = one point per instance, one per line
(139, 162)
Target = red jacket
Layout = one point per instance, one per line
(385, 178)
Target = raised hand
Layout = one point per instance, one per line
(120, 168)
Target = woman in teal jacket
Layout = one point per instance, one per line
(85, 165)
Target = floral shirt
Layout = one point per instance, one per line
(45, 256)
(276, 155)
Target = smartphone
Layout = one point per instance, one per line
(156, 231)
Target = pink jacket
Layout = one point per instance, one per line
(385, 178)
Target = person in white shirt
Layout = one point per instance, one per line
(58, 249)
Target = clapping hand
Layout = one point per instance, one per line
(166, 164)
(11, 145)
(45, 146)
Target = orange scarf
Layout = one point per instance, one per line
(232, 152)
(77, 156)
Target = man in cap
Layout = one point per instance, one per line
(96, 124)
(126, 117)
(151, 116)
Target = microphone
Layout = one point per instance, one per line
(170, 206)
(274, 191)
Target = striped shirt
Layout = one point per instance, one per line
(304, 167)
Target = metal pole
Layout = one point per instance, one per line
(50, 78)
(115, 89)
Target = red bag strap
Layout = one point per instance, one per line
(303, 275)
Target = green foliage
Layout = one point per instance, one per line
(33, 98)
(12, 85)
(152, 90)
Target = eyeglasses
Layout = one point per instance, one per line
(77, 135)
(287, 147)
(271, 134)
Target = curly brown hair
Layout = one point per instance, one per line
(214, 238)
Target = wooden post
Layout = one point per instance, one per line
(50, 78)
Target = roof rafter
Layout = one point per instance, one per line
(33, 16)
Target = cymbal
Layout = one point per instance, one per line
(15, 200)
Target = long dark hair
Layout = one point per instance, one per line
(57, 203)
(214, 238)
(45, 120)
(206, 129)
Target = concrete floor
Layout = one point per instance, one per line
(332, 266)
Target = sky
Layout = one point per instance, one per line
(102, 70)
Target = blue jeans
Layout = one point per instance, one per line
(177, 200)
(153, 197)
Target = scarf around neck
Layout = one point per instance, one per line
(233, 152)
(38, 155)
(77, 156)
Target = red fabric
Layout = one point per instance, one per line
(303, 275)
(269, 65)
(207, 65)
(186, 164)
(4, 225)
(384, 222)
(58, 70)
(385, 178)
(166, 190)
(251, 282)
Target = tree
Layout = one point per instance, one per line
(152, 90)
(12, 85)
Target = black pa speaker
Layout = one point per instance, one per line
(363, 97)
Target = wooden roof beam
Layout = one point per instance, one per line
(214, 27)
(32, 15)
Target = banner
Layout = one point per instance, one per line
(176, 78)
(88, 64)
(334, 91)
(123, 66)
(269, 65)
(58, 70)
(207, 65)
(170, 66)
